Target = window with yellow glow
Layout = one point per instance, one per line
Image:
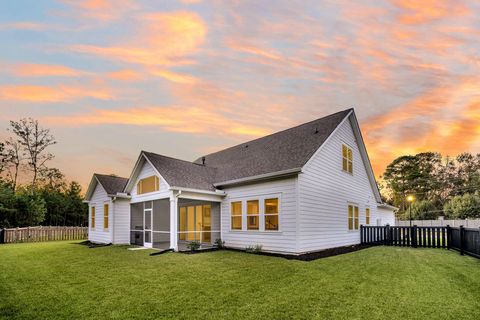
(253, 212)
(105, 216)
(347, 159)
(271, 214)
(353, 217)
(236, 213)
(92, 217)
(367, 216)
(146, 185)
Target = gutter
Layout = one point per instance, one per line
(387, 206)
(277, 174)
(216, 193)
(119, 195)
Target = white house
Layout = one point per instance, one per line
(296, 191)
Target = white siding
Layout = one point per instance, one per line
(148, 171)
(325, 191)
(283, 240)
(98, 199)
(386, 216)
(121, 221)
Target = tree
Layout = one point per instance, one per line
(416, 174)
(462, 207)
(35, 140)
(7, 205)
(13, 160)
(30, 208)
(424, 210)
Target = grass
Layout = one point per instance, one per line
(64, 280)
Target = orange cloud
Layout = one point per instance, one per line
(172, 118)
(165, 39)
(43, 70)
(125, 75)
(174, 77)
(417, 12)
(101, 10)
(62, 93)
(444, 119)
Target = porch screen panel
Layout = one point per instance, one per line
(183, 223)
(207, 224)
(190, 223)
(136, 224)
(161, 224)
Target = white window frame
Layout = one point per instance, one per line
(367, 209)
(349, 162)
(94, 215)
(253, 215)
(265, 214)
(261, 199)
(236, 215)
(354, 205)
(103, 215)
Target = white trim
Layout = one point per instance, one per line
(277, 174)
(326, 140)
(136, 170)
(216, 192)
(261, 215)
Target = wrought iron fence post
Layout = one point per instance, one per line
(361, 234)
(462, 236)
(449, 236)
(414, 236)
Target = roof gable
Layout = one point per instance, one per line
(284, 150)
(110, 183)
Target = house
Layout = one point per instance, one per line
(299, 190)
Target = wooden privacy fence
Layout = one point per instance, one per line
(39, 234)
(465, 240)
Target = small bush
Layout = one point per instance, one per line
(254, 249)
(219, 243)
(193, 245)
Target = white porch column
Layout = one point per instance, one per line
(173, 221)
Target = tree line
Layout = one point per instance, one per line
(438, 186)
(45, 198)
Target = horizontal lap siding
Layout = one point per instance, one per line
(283, 241)
(99, 234)
(387, 216)
(325, 192)
(121, 212)
(148, 171)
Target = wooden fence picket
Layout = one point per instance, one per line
(40, 234)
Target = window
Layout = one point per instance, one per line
(367, 216)
(253, 212)
(347, 157)
(147, 185)
(236, 213)
(92, 217)
(105, 216)
(352, 217)
(271, 214)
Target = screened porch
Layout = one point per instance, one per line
(196, 221)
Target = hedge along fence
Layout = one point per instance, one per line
(465, 240)
(40, 234)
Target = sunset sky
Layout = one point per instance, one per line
(183, 78)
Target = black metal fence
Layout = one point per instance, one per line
(465, 240)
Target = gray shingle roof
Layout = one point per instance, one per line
(180, 173)
(112, 184)
(284, 150)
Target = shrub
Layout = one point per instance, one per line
(254, 249)
(462, 207)
(423, 210)
(219, 243)
(193, 245)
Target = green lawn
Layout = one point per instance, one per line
(70, 281)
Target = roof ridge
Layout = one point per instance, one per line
(271, 134)
(164, 156)
(109, 175)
